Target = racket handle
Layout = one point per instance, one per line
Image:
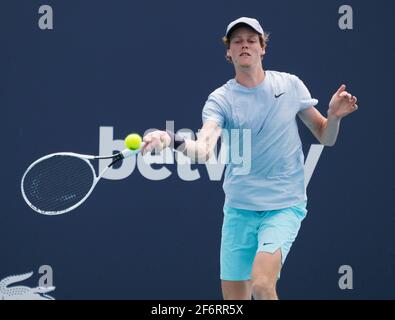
(128, 153)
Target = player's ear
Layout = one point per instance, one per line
(228, 56)
(263, 50)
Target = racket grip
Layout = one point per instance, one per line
(128, 152)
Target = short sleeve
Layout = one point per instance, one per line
(213, 111)
(303, 95)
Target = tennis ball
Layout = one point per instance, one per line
(133, 141)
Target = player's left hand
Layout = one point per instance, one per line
(342, 103)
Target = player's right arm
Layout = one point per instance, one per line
(199, 150)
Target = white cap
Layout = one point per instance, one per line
(253, 23)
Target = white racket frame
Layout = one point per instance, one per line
(125, 153)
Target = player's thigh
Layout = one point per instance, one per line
(266, 268)
(236, 290)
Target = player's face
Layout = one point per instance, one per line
(245, 48)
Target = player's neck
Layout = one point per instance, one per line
(250, 78)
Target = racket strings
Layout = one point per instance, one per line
(58, 183)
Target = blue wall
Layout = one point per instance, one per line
(133, 65)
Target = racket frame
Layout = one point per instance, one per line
(116, 157)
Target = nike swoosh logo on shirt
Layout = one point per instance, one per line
(278, 95)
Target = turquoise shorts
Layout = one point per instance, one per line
(245, 233)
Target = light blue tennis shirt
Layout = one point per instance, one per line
(276, 176)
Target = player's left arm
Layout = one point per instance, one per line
(324, 129)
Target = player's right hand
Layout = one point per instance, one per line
(155, 141)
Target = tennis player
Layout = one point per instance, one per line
(263, 209)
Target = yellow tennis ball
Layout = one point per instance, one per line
(133, 141)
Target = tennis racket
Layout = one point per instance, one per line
(61, 182)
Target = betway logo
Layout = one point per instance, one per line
(215, 166)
